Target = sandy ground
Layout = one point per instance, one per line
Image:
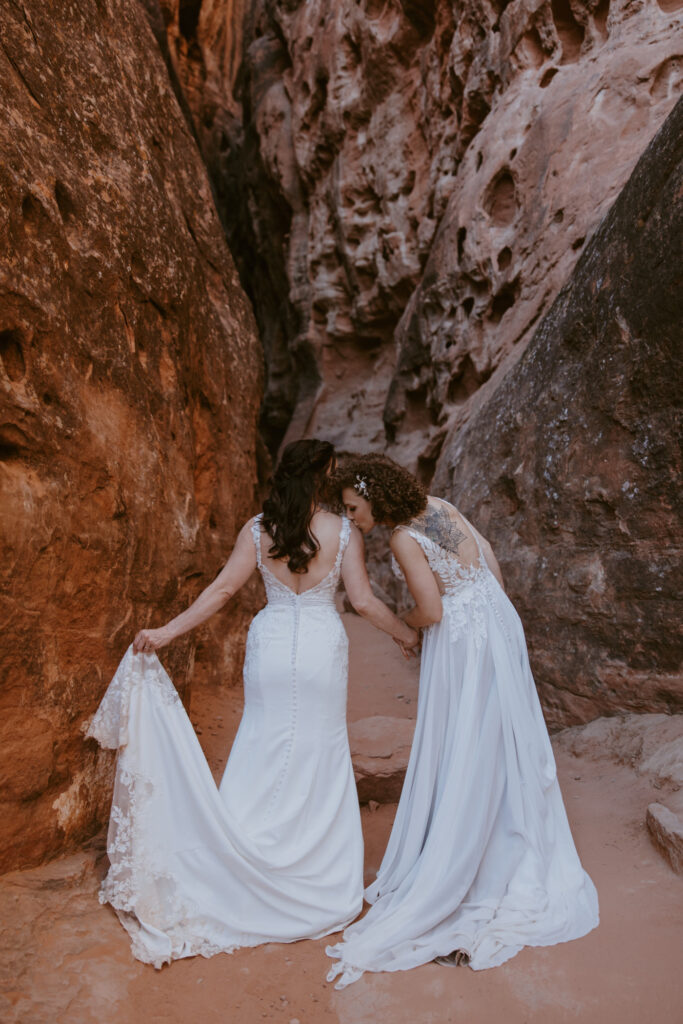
(64, 959)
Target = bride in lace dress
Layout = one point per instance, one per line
(481, 860)
(276, 853)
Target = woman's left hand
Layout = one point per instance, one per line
(149, 640)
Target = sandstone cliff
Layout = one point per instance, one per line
(130, 377)
(414, 184)
(573, 466)
(408, 185)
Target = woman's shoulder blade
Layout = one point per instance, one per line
(436, 525)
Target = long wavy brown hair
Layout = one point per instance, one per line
(296, 487)
(394, 494)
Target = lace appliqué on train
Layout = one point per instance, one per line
(140, 883)
(109, 725)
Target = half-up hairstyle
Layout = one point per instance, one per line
(394, 494)
(297, 485)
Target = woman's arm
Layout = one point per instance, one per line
(420, 580)
(232, 576)
(357, 584)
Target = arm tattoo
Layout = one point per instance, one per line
(437, 526)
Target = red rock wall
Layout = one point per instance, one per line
(130, 380)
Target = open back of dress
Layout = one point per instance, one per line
(451, 545)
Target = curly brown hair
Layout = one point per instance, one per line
(394, 494)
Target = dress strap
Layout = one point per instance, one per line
(256, 534)
(344, 535)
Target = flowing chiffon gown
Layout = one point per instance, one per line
(481, 857)
(276, 854)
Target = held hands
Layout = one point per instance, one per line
(149, 640)
(410, 650)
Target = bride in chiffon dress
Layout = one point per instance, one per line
(481, 860)
(276, 853)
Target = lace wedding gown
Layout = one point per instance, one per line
(275, 854)
(481, 857)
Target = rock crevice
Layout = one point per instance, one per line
(417, 181)
(416, 184)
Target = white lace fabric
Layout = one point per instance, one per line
(196, 869)
(109, 725)
(140, 884)
(464, 597)
(481, 856)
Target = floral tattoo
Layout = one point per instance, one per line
(437, 526)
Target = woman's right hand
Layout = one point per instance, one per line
(410, 650)
(149, 640)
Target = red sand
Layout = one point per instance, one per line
(65, 959)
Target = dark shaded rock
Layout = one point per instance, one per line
(230, 62)
(573, 466)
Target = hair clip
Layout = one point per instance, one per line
(361, 486)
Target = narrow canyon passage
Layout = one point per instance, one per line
(66, 960)
(451, 232)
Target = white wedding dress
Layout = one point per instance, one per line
(276, 854)
(481, 857)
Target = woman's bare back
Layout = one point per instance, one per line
(442, 523)
(325, 527)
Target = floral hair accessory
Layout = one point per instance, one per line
(361, 487)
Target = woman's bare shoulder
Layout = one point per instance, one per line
(326, 523)
(402, 538)
(325, 516)
(253, 521)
